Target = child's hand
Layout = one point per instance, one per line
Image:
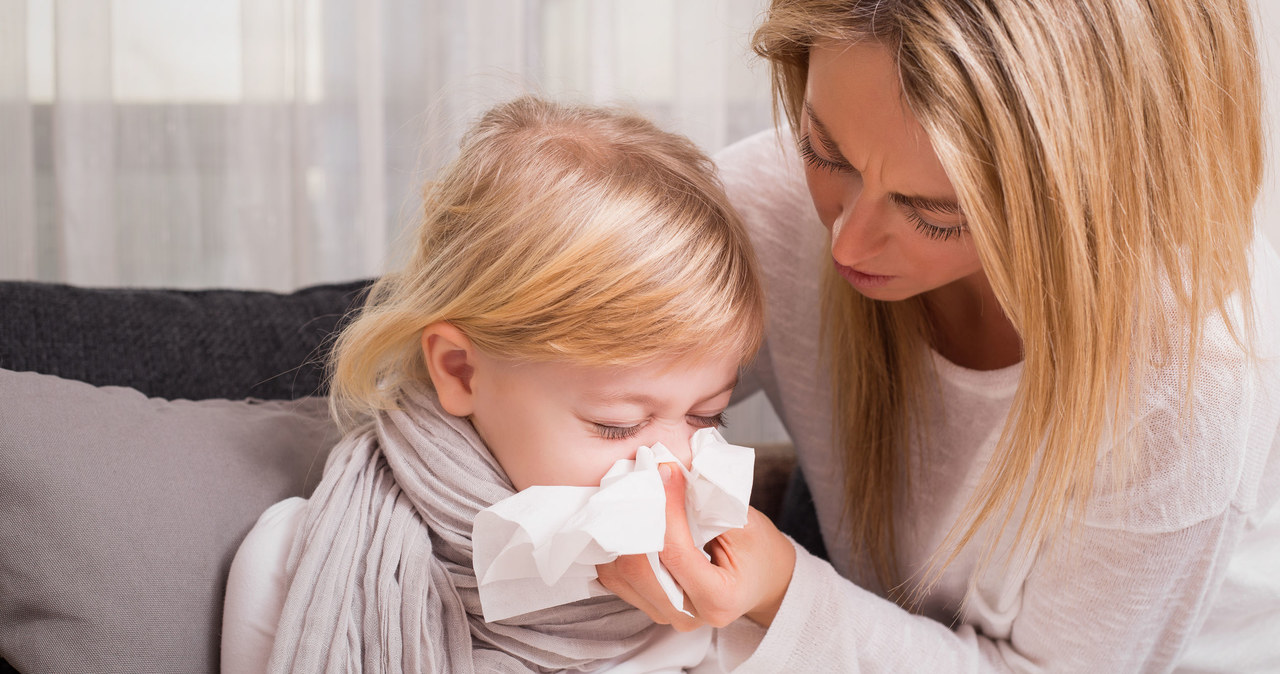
(749, 571)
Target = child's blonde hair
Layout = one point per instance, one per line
(561, 232)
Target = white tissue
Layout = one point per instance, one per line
(540, 547)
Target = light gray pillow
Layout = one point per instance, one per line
(120, 514)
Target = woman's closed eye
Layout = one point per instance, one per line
(812, 158)
(935, 231)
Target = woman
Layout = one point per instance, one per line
(1043, 346)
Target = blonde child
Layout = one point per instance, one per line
(579, 287)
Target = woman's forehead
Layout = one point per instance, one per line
(853, 99)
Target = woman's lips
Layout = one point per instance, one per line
(860, 280)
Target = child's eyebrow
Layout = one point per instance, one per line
(646, 400)
(631, 397)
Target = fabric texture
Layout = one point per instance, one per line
(1174, 570)
(120, 515)
(372, 589)
(174, 343)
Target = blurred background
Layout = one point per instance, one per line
(274, 144)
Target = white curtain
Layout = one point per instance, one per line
(273, 144)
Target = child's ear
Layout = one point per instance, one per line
(451, 360)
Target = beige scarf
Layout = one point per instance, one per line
(381, 575)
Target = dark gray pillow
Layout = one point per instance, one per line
(192, 344)
(120, 514)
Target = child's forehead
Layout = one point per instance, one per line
(675, 366)
(651, 383)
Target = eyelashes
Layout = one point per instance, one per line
(624, 432)
(707, 422)
(617, 432)
(818, 161)
(928, 229)
(931, 230)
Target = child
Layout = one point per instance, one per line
(580, 287)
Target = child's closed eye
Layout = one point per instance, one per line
(611, 432)
(617, 432)
(707, 421)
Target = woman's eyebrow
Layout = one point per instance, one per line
(824, 136)
(935, 204)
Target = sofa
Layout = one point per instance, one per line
(142, 432)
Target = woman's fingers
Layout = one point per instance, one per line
(679, 540)
(632, 579)
(761, 560)
(749, 571)
(748, 574)
(703, 582)
(620, 582)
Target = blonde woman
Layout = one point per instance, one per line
(579, 288)
(1025, 337)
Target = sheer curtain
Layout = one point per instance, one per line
(277, 143)
(273, 144)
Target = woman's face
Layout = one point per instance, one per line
(896, 226)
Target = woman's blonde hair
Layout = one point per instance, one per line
(561, 232)
(1107, 155)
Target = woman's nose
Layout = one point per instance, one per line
(858, 233)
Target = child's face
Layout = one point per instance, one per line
(558, 424)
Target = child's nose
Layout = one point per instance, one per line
(676, 439)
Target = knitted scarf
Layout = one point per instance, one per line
(381, 574)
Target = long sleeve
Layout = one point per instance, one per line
(256, 589)
(1130, 605)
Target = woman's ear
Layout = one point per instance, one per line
(451, 361)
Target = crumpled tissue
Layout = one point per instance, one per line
(539, 548)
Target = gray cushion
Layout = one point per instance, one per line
(119, 516)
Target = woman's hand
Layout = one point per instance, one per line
(749, 571)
